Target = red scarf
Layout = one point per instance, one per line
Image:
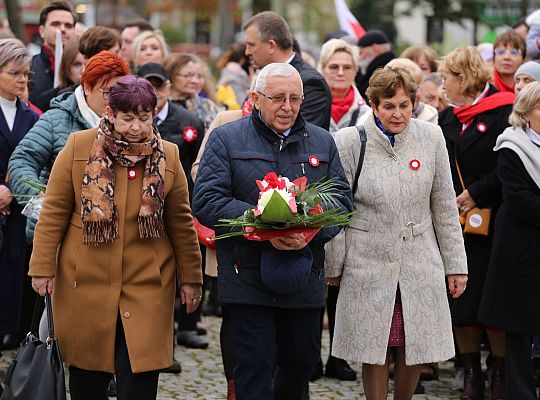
(499, 83)
(341, 106)
(467, 113)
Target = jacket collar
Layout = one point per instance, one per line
(297, 132)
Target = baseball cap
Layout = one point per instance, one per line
(373, 36)
(153, 70)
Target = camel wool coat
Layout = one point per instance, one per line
(402, 213)
(130, 279)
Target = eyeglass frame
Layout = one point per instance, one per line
(191, 75)
(105, 93)
(334, 68)
(500, 51)
(277, 99)
(29, 75)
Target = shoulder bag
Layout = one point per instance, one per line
(476, 220)
(37, 373)
(363, 140)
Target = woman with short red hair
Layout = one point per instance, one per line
(33, 158)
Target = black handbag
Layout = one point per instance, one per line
(37, 372)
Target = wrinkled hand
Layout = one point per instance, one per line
(333, 281)
(465, 202)
(457, 284)
(41, 285)
(5, 199)
(296, 241)
(191, 296)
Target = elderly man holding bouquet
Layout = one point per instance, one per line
(274, 289)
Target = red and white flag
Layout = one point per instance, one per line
(347, 20)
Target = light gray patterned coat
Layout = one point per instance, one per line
(402, 213)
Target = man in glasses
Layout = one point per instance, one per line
(269, 40)
(275, 318)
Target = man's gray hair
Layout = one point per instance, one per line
(282, 70)
(13, 50)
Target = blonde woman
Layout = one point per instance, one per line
(149, 46)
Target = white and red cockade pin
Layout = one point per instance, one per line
(313, 161)
(132, 173)
(414, 164)
(481, 127)
(189, 134)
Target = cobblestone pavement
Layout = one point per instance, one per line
(202, 376)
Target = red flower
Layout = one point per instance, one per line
(272, 179)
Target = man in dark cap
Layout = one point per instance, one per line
(375, 52)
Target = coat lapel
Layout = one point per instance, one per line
(22, 124)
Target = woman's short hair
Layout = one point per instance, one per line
(511, 38)
(71, 50)
(385, 82)
(468, 62)
(13, 50)
(97, 39)
(336, 45)
(408, 64)
(527, 100)
(415, 52)
(102, 68)
(132, 94)
(176, 61)
(141, 37)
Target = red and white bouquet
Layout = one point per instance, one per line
(285, 207)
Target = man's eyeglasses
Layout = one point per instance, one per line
(18, 74)
(105, 93)
(280, 99)
(502, 52)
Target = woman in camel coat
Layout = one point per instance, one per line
(117, 208)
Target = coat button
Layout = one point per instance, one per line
(127, 314)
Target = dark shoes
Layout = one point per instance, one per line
(175, 368)
(191, 340)
(11, 342)
(420, 389)
(317, 371)
(339, 369)
(473, 383)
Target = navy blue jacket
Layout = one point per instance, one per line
(236, 155)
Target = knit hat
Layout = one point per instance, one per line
(373, 36)
(530, 68)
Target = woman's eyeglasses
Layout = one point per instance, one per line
(502, 52)
(18, 74)
(280, 99)
(191, 76)
(334, 68)
(105, 93)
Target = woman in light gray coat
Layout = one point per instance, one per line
(392, 261)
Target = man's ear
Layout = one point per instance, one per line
(255, 98)
(42, 31)
(272, 46)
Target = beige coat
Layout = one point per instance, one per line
(401, 214)
(131, 276)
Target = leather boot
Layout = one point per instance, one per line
(497, 378)
(230, 390)
(473, 380)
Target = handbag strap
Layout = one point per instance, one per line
(363, 140)
(50, 323)
(36, 316)
(354, 117)
(460, 176)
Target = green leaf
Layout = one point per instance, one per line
(277, 210)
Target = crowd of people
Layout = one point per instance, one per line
(136, 153)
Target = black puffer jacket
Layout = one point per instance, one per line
(236, 155)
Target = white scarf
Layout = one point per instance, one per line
(518, 140)
(87, 113)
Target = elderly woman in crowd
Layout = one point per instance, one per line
(33, 158)
(117, 208)
(187, 78)
(508, 54)
(425, 57)
(479, 114)
(149, 46)
(511, 300)
(391, 262)
(15, 121)
(526, 73)
(339, 65)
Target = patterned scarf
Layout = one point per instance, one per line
(99, 213)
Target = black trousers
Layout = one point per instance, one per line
(519, 368)
(92, 385)
(266, 337)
